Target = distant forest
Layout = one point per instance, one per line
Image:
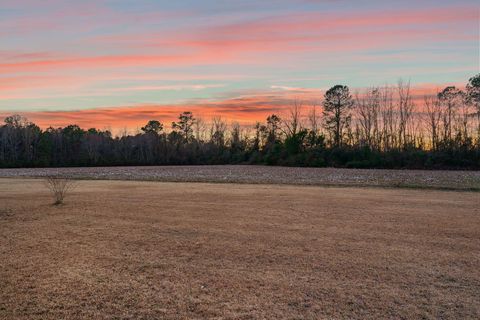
(384, 127)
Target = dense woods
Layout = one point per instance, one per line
(383, 127)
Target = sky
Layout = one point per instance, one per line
(119, 63)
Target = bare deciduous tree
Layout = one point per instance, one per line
(314, 118)
(450, 98)
(217, 131)
(200, 129)
(433, 112)
(292, 121)
(389, 119)
(368, 107)
(235, 136)
(405, 114)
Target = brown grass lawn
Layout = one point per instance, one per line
(151, 250)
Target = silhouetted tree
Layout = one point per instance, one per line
(368, 109)
(293, 121)
(382, 129)
(337, 105)
(273, 126)
(434, 115)
(449, 98)
(473, 97)
(184, 125)
(16, 121)
(153, 126)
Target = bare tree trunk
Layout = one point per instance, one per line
(367, 107)
(389, 123)
(405, 109)
(433, 117)
(313, 119)
(292, 122)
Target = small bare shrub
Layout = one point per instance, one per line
(59, 186)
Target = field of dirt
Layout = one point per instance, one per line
(150, 250)
(448, 180)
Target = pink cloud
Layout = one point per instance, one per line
(238, 43)
(315, 32)
(246, 108)
(322, 21)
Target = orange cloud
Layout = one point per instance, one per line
(245, 109)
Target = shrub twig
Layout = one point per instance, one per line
(59, 186)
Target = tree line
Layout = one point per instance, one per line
(382, 127)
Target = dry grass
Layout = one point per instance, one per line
(144, 250)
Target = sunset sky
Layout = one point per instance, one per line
(115, 64)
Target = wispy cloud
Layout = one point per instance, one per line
(246, 107)
(65, 54)
(178, 87)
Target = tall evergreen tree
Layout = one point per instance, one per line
(337, 112)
